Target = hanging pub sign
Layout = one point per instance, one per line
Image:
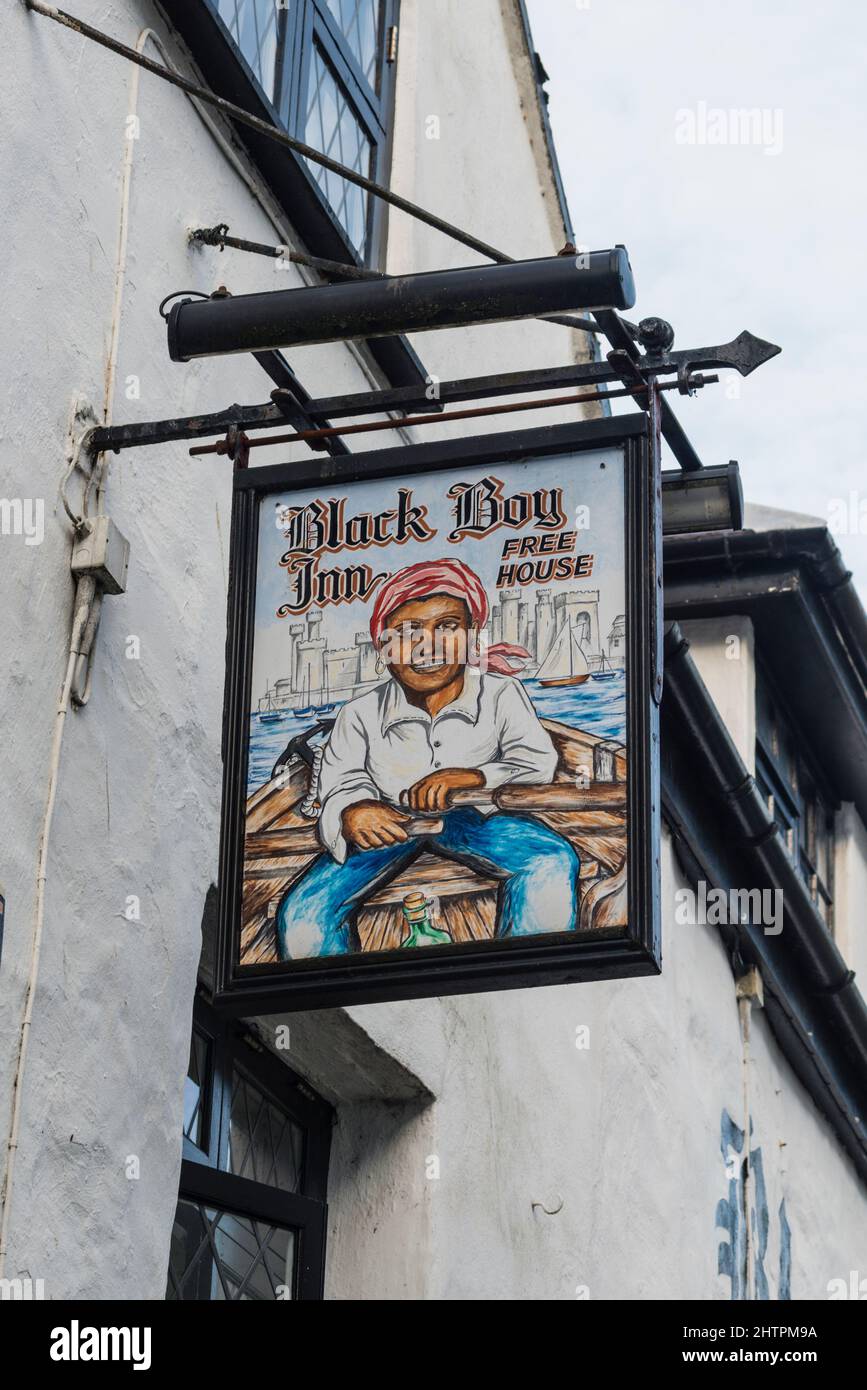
(441, 737)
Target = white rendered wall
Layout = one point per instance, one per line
(620, 1141)
(138, 802)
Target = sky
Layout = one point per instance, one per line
(724, 233)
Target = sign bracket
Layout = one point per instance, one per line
(290, 403)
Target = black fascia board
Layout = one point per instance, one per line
(722, 832)
(285, 172)
(540, 77)
(810, 627)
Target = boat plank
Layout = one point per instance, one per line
(277, 796)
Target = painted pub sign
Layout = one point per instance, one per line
(441, 738)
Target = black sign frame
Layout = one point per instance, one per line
(492, 964)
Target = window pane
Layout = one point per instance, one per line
(253, 26)
(790, 790)
(195, 1089)
(332, 127)
(216, 1255)
(264, 1143)
(824, 843)
(359, 20)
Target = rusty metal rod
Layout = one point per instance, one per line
(219, 236)
(237, 113)
(370, 427)
(272, 132)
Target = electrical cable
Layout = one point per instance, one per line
(84, 596)
(80, 444)
(80, 694)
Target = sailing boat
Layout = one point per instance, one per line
(604, 671)
(565, 663)
(268, 715)
(306, 710)
(328, 706)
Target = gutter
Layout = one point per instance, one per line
(810, 628)
(815, 1009)
(731, 552)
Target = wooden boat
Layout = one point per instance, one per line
(565, 663)
(267, 713)
(604, 671)
(328, 704)
(307, 710)
(586, 803)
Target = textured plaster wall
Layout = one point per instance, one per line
(558, 1167)
(596, 1172)
(138, 801)
(723, 649)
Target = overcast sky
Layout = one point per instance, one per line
(768, 236)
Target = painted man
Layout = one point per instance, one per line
(447, 719)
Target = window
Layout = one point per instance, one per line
(250, 1219)
(325, 69)
(796, 797)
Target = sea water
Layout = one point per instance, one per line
(596, 707)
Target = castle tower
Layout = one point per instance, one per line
(617, 641)
(366, 659)
(581, 608)
(296, 635)
(311, 661)
(340, 667)
(545, 629)
(511, 620)
(311, 669)
(523, 624)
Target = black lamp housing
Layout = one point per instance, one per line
(400, 304)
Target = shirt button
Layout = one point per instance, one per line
(436, 764)
(436, 743)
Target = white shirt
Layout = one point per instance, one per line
(381, 745)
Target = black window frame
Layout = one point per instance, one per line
(304, 23)
(796, 792)
(205, 1179)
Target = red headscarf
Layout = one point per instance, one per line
(450, 577)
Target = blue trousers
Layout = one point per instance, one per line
(540, 893)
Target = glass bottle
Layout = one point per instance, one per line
(422, 932)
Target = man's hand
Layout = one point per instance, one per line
(432, 793)
(373, 825)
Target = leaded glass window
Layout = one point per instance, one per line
(216, 1256)
(359, 23)
(795, 797)
(250, 1218)
(325, 68)
(253, 25)
(195, 1089)
(264, 1143)
(333, 128)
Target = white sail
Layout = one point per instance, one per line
(565, 659)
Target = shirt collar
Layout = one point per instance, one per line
(396, 708)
